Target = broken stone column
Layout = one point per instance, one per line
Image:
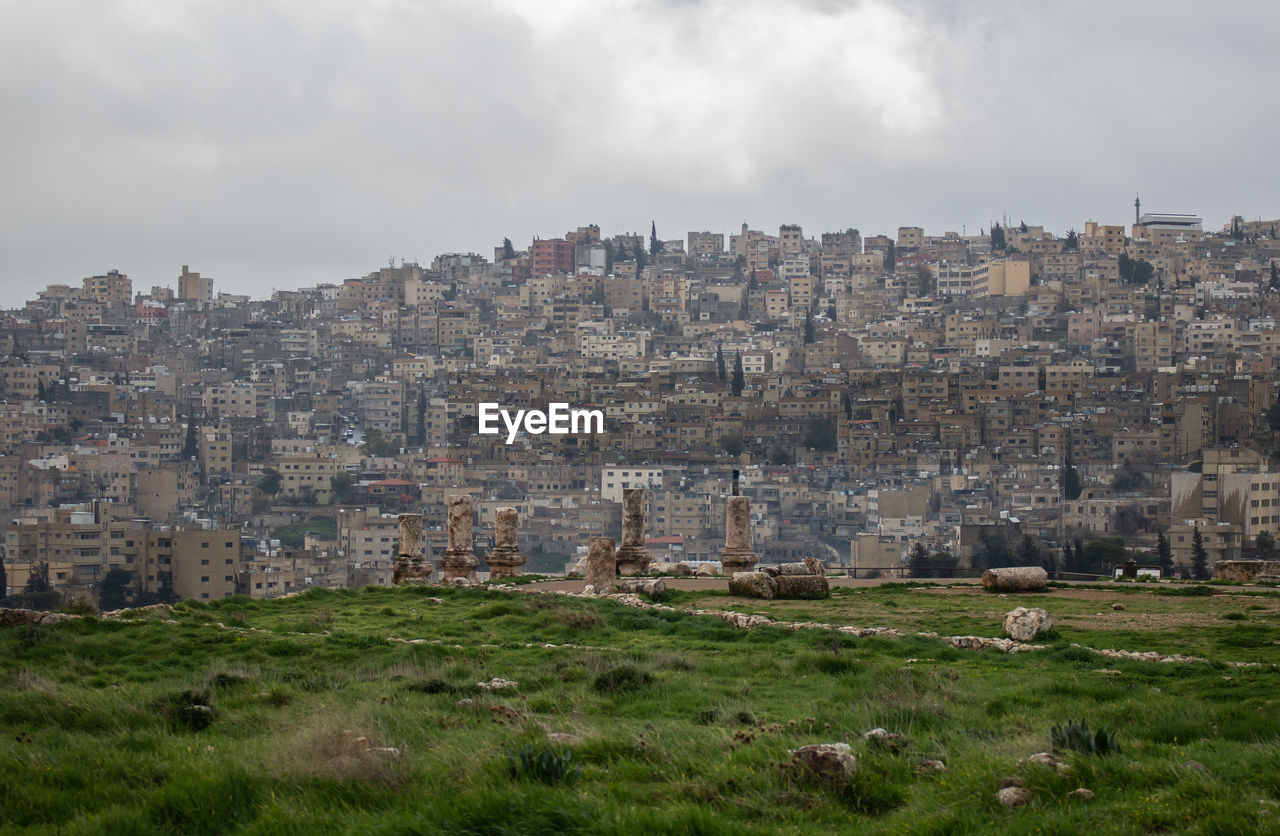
(602, 567)
(410, 567)
(506, 559)
(633, 557)
(737, 555)
(1015, 579)
(459, 560)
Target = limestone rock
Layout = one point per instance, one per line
(1013, 796)
(1082, 794)
(828, 760)
(1118, 607)
(929, 765)
(602, 567)
(1015, 579)
(1023, 624)
(642, 586)
(1046, 759)
(753, 585)
(802, 586)
(707, 570)
(684, 570)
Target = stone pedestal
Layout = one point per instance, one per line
(506, 559)
(602, 567)
(633, 557)
(410, 567)
(737, 555)
(459, 560)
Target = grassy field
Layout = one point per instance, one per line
(268, 717)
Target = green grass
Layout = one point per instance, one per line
(678, 724)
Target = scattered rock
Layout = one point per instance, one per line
(465, 702)
(498, 684)
(563, 738)
(1010, 781)
(885, 739)
(802, 586)
(1024, 624)
(642, 586)
(928, 765)
(1118, 607)
(828, 760)
(1196, 766)
(684, 570)
(1013, 796)
(14, 617)
(1046, 759)
(707, 570)
(1015, 579)
(1082, 794)
(753, 585)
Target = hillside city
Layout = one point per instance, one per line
(1074, 399)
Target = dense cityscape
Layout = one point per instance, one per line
(1070, 398)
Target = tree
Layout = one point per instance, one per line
(924, 280)
(39, 593)
(1275, 276)
(42, 391)
(1071, 486)
(997, 238)
(1265, 542)
(638, 254)
(847, 404)
(918, 560)
(1164, 554)
(733, 443)
(655, 246)
(808, 328)
(994, 551)
(341, 484)
(1199, 557)
(1143, 271)
(1127, 478)
(1128, 520)
(890, 258)
(820, 434)
(1071, 243)
(420, 426)
(113, 591)
(739, 381)
(4, 579)
(191, 448)
(508, 251)
(721, 374)
(1028, 553)
(270, 482)
(377, 445)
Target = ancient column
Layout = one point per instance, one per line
(459, 560)
(410, 567)
(602, 568)
(633, 557)
(506, 558)
(737, 555)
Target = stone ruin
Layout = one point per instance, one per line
(459, 561)
(737, 555)
(602, 566)
(1015, 579)
(632, 557)
(506, 559)
(410, 568)
(806, 579)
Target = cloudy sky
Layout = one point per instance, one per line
(280, 143)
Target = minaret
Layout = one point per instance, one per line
(1137, 209)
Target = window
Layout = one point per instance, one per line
(204, 579)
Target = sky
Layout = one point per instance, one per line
(275, 144)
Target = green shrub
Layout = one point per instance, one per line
(621, 680)
(1076, 737)
(544, 764)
